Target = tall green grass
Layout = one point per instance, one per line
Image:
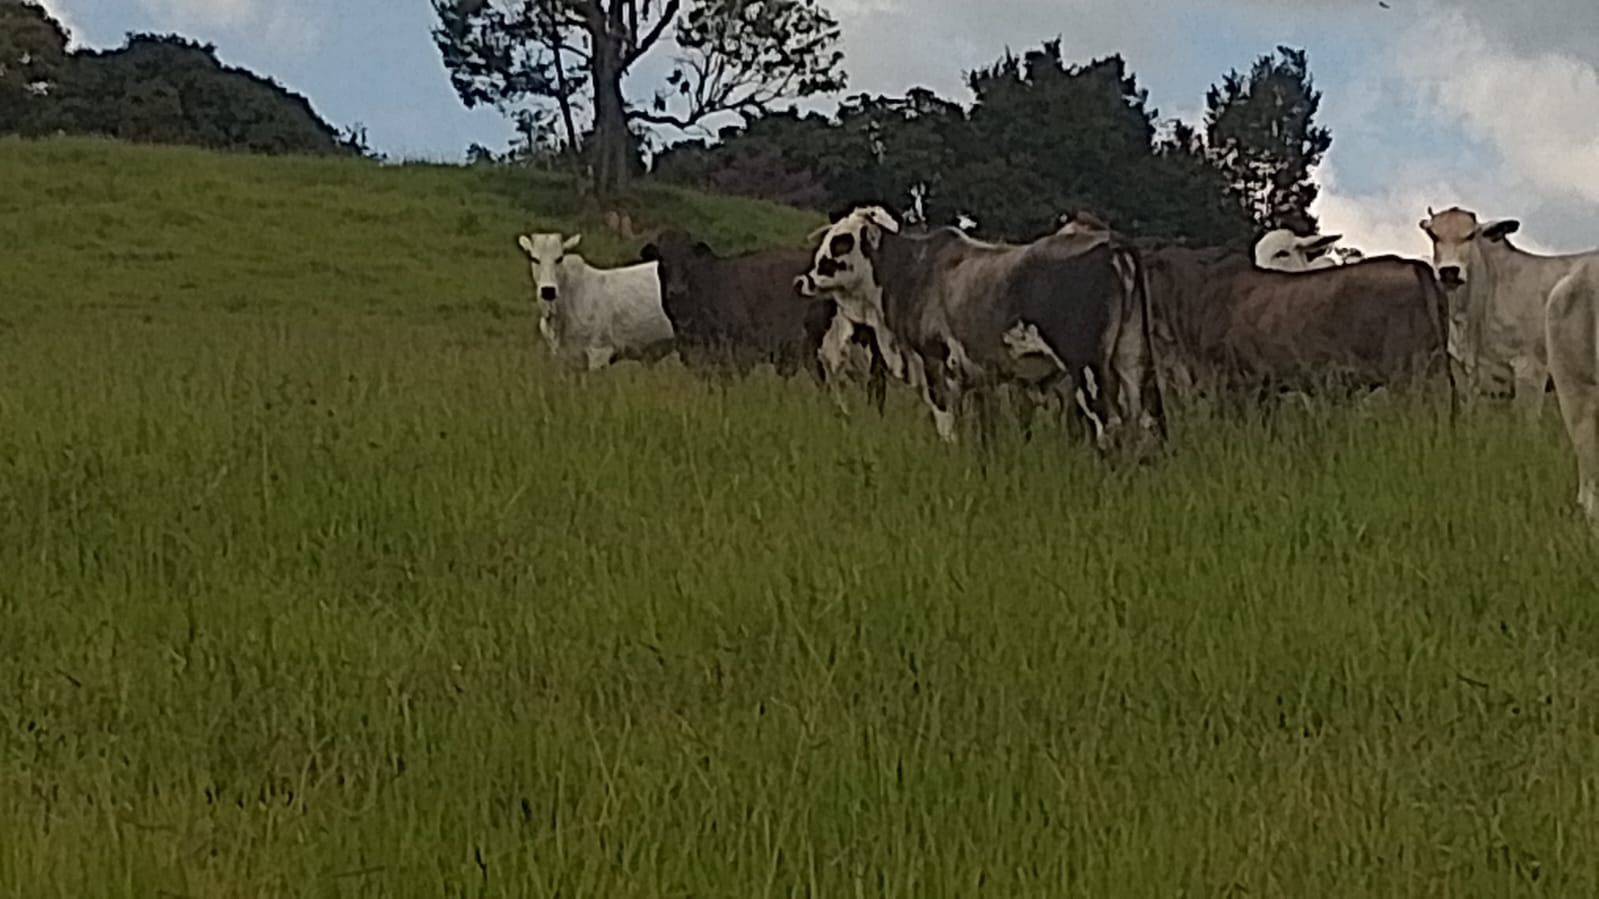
(344, 590)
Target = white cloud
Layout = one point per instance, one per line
(288, 26)
(1388, 221)
(1532, 112)
(219, 14)
(1540, 112)
(58, 10)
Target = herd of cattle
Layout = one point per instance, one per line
(1106, 325)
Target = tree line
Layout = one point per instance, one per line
(1039, 136)
(158, 88)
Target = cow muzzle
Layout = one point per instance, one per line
(1451, 276)
(547, 294)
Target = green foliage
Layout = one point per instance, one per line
(1261, 132)
(774, 157)
(33, 58)
(735, 57)
(155, 88)
(168, 89)
(1040, 138)
(741, 56)
(317, 579)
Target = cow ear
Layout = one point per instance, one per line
(526, 243)
(703, 249)
(1425, 225)
(572, 242)
(650, 253)
(1501, 229)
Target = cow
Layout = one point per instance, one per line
(594, 316)
(1283, 250)
(962, 316)
(736, 312)
(1221, 322)
(1571, 327)
(1527, 319)
(1497, 298)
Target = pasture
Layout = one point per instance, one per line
(316, 578)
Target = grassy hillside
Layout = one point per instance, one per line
(316, 579)
(151, 228)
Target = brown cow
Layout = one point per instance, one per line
(1220, 321)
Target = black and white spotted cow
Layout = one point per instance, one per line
(1066, 313)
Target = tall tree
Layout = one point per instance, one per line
(1263, 138)
(33, 58)
(734, 56)
(1062, 138)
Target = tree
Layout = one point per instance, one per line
(902, 150)
(33, 58)
(1263, 139)
(505, 55)
(734, 56)
(1062, 138)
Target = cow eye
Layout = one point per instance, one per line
(841, 245)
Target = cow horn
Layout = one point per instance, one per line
(879, 216)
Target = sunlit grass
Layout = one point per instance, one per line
(342, 589)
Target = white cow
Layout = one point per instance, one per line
(1529, 317)
(595, 316)
(1283, 250)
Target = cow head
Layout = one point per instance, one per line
(848, 252)
(546, 253)
(1283, 250)
(1457, 242)
(677, 257)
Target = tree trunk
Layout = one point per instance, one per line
(565, 94)
(611, 140)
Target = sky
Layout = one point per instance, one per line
(1485, 104)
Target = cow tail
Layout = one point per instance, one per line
(1129, 256)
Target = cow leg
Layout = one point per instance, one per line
(893, 356)
(1028, 398)
(876, 379)
(597, 357)
(942, 390)
(1136, 400)
(1089, 398)
(983, 399)
(1531, 380)
(1571, 330)
(834, 355)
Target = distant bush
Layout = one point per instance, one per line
(156, 88)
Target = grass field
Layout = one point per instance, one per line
(316, 578)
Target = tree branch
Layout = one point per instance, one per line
(668, 14)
